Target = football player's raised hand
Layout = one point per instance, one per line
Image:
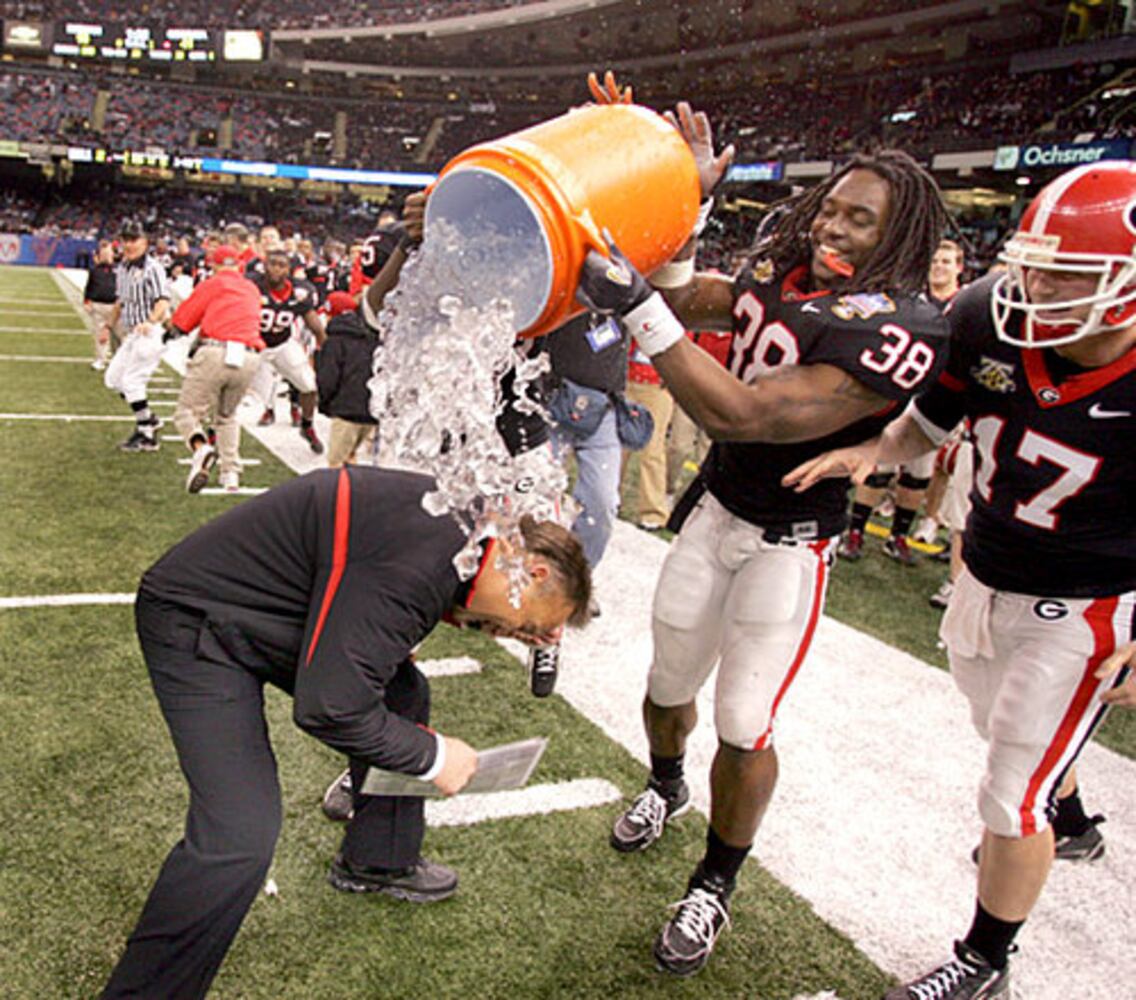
(858, 462)
(414, 215)
(608, 92)
(1124, 694)
(695, 129)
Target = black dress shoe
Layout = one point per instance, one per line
(424, 882)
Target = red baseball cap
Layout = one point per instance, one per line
(340, 302)
(223, 255)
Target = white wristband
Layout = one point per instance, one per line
(675, 274)
(654, 326)
(704, 211)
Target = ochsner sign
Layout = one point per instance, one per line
(1060, 154)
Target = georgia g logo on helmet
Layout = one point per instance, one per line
(1081, 224)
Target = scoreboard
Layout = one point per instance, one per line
(148, 44)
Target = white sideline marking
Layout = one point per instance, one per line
(172, 437)
(189, 461)
(465, 810)
(65, 417)
(54, 331)
(453, 666)
(240, 491)
(64, 600)
(45, 357)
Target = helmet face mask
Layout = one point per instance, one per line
(1081, 224)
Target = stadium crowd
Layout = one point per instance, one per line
(818, 119)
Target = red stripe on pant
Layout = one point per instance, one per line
(338, 555)
(1099, 617)
(818, 549)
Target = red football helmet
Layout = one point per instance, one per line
(1083, 222)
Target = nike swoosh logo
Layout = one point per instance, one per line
(1100, 413)
(808, 307)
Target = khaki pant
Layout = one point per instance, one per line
(212, 385)
(653, 508)
(345, 439)
(687, 441)
(100, 314)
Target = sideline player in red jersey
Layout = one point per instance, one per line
(283, 302)
(1040, 626)
(831, 333)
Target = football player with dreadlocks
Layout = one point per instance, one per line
(832, 334)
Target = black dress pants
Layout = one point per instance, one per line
(215, 715)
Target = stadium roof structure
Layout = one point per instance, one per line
(549, 44)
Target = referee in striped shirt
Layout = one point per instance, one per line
(142, 307)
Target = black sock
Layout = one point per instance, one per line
(305, 423)
(991, 937)
(143, 415)
(901, 521)
(1070, 820)
(666, 770)
(722, 862)
(858, 520)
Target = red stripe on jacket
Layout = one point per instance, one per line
(1099, 616)
(338, 555)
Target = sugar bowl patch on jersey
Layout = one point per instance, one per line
(281, 308)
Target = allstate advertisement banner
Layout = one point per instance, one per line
(765, 170)
(1060, 154)
(44, 251)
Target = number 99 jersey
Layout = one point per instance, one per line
(1053, 505)
(895, 345)
(280, 309)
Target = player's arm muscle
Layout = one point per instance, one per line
(788, 404)
(313, 323)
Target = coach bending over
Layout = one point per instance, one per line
(321, 586)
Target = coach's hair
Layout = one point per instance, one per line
(916, 222)
(565, 557)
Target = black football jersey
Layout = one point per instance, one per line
(377, 248)
(280, 309)
(1053, 505)
(894, 345)
(319, 275)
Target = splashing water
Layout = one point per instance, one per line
(448, 339)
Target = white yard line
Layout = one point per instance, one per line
(57, 331)
(64, 600)
(455, 666)
(564, 796)
(46, 358)
(67, 417)
(240, 491)
(245, 462)
(37, 312)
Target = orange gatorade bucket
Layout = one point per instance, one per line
(545, 195)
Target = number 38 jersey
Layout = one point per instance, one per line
(282, 307)
(1053, 505)
(894, 345)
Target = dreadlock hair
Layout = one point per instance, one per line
(916, 222)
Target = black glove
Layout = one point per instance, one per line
(611, 286)
(171, 333)
(614, 287)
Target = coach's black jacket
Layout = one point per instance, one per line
(322, 586)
